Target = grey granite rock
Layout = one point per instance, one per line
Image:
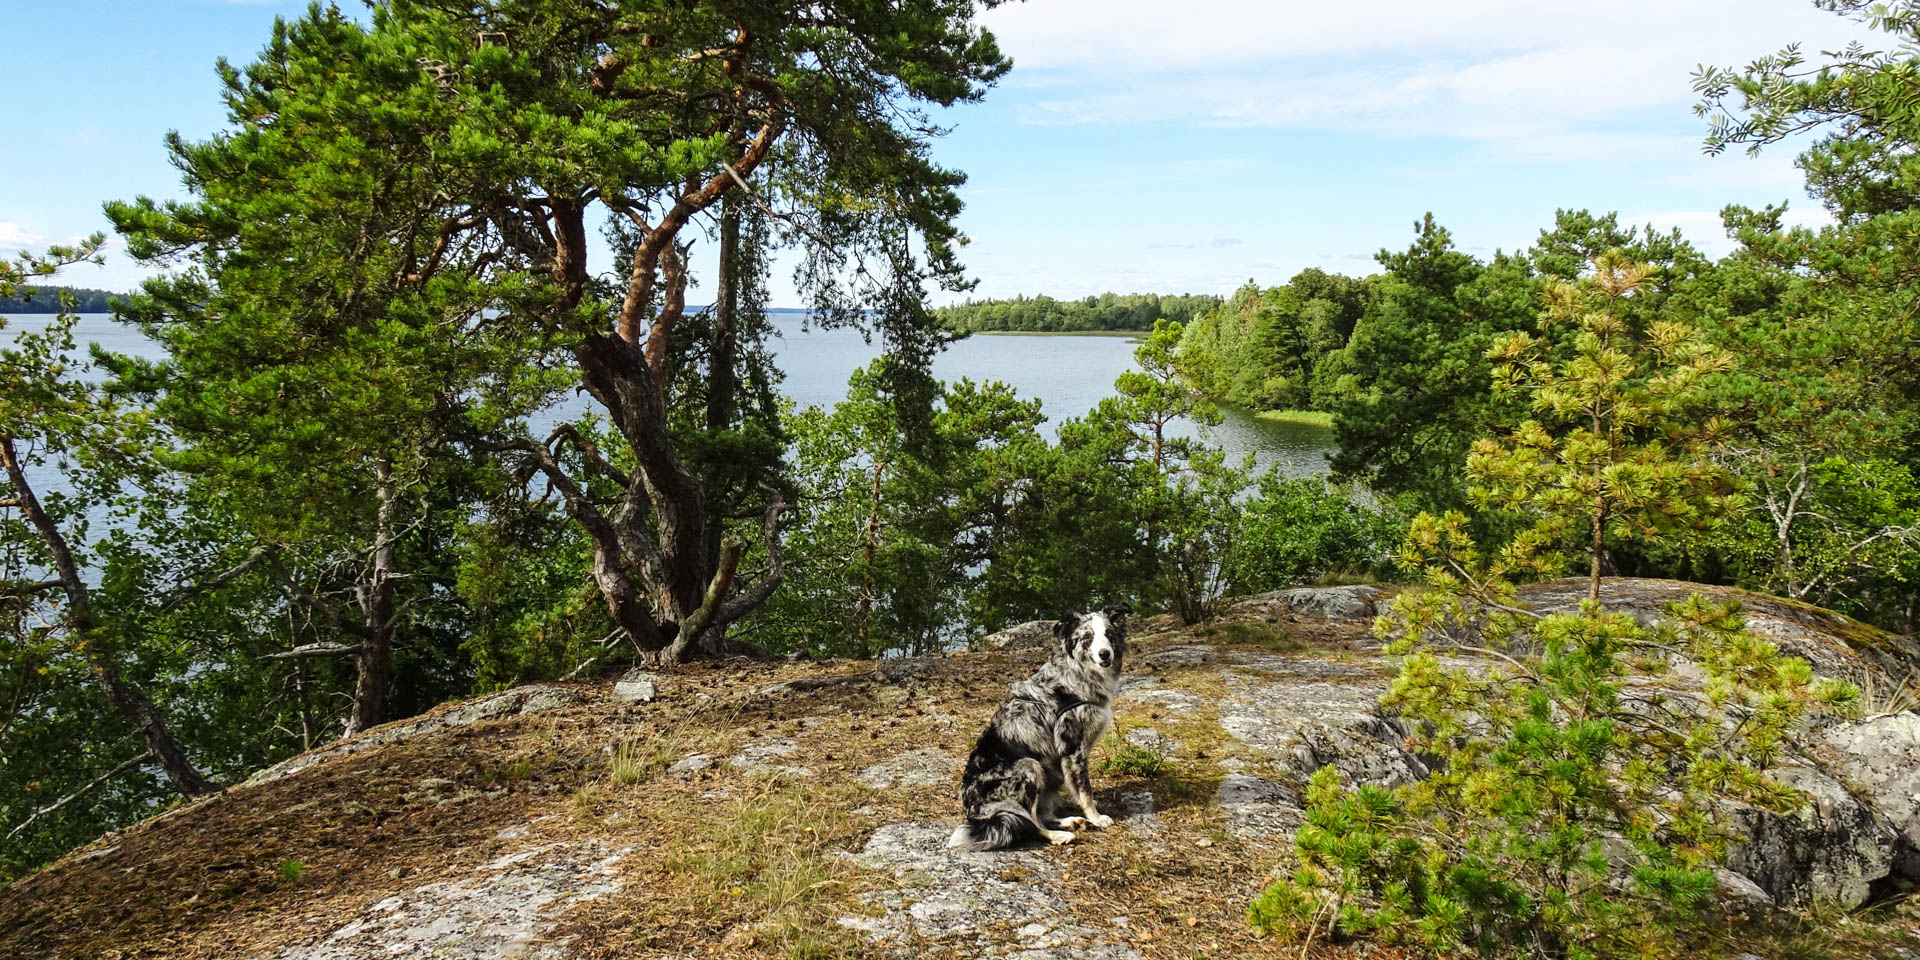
(690, 764)
(1183, 655)
(1149, 739)
(1135, 812)
(1258, 809)
(1178, 701)
(1004, 904)
(1033, 633)
(1836, 645)
(503, 910)
(1352, 602)
(758, 757)
(1880, 759)
(1833, 848)
(638, 686)
(921, 768)
(1310, 725)
(1741, 893)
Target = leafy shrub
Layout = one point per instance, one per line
(1300, 528)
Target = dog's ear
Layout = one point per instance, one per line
(1063, 629)
(1117, 612)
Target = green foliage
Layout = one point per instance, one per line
(908, 543)
(1044, 314)
(1295, 530)
(76, 662)
(531, 614)
(1137, 761)
(1860, 99)
(1829, 317)
(980, 523)
(1184, 494)
(1280, 347)
(1572, 811)
(1617, 454)
(1414, 392)
(1415, 386)
(1576, 804)
(1841, 533)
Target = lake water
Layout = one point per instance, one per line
(1068, 374)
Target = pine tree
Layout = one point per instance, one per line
(1572, 813)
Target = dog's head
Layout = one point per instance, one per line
(1097, 639)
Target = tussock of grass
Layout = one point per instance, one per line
(630, 763)
(769, 857)
(1311, 418)
(1275, 637)
(1881, 695)
(1134, 760)
(1822, 931)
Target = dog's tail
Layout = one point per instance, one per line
(994, 831)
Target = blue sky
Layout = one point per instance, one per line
(1130, 150)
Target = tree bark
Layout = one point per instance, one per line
(618, 376)
(656, 549)
(721, 376)
(376, 637)
(93, 640)
(872, 544)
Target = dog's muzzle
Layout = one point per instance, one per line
(1105, 657)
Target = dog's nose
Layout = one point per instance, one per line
(1106, 658)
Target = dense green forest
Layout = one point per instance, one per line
(1824, 436)
(1279, 347)
(1044, 314)
(329, 505)
(46, 299)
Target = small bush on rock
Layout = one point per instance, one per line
(1575, 811)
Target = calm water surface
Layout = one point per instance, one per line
(1068, 374)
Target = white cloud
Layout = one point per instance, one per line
(1148, 36)
(14, 238)
(1501, 72)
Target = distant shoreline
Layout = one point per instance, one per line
(1135, 334)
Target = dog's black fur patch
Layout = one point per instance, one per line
(1031, 762)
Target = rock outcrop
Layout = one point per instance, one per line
(1033, 633)
(1362, 601)
(1878, 760)
(803, 809)
(507, 703)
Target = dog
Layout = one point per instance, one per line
(1031, 762)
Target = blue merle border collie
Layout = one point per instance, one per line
(1030, 765)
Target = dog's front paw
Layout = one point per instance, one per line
(1071, 822)
(1057, 837)
(1100, 821)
